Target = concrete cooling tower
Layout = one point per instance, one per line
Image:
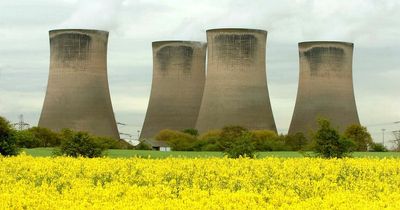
(236, 91)
(325, 86)
(177, 86)
(77, 95)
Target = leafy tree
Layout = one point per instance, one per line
(209, 141)
(361, 137)
(108, 142)
(210, 134)
(178, 141)
(378, 147)
(122, 144)
(26, 139)
(143, 146)
(237, 141)
(8, 145)
(296, 142)
(242, 145)
(207, 144)
(267, 140)
(231, 132)
(191, 131)
(328, 142)
(47, 137)
(76, 144)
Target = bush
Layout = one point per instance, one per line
(267, 140)
(106, 142)
(26, 139)
(8, 144)
(208, 141)
(237, 141)
(296, 142)
(191, 131)
(241, 146)
(328, 142)
(143, 146)
(210, 134)
(378, 147)
(122, 144)
(178, 141)
(76, 144)
(46, 137)
(360, 135)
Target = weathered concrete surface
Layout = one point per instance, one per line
(325, 86)
(236, 91)
(177, 86)
(77, 95)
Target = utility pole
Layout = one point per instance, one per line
(397, 139)
(21, 125)
(138, 134)
(383, 136)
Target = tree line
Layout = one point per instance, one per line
(67, 142)
(236, 141)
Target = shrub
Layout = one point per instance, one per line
(237, 141)
(241, 146)
(178, 141)
(207, 144)
(8, 144)
(191, 131)
(106, 142)
(76, 144)
(267, 140)
(214, 134)
(328, 142)
(143, 146)
(378, 147)
(199, 145)
(208, 141)
(360, 135)
(296, 142)
(46, 137)
(231, 132)
(26, 139)
(122, 144)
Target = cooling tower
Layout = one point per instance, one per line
(177, 86)
(77, 95)
(236, 91)
(325, 86)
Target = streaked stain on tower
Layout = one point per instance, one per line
(325, 86)
(236, 91)
(177, 86)
(77, 95)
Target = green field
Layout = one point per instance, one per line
(118, 153)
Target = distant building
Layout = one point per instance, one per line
(236, 91)
(325, 86)
(158, 145)
(77, 95)
(177, 86)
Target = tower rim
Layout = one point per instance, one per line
(325, 42)
(77, 30)
(237, 30)
(161, 42)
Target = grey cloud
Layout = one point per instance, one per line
(94, 14)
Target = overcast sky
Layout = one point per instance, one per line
(373, 26)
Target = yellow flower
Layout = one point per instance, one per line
(211, 183)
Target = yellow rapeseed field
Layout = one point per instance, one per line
(214, 183)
